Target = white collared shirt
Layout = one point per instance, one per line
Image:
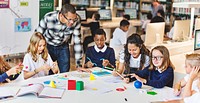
(159, 70)
(102, 50)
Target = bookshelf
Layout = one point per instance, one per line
(180, 6)
(122, 5)
(100, 3)
(146, 7)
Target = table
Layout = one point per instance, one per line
(131, 94)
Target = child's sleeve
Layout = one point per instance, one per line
(186, 78)
(141, 73)
(3, 77)
(121, 56)
(147, 61)
(26, 63)
(165, 79)
(112, 57)
(87, 55)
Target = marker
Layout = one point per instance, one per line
(179, 86)
(91, 61)
(119, 75)
(109, 68)
(102, 59)
(125, 99)
(20, 66)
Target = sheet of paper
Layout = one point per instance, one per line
(98, 89)
(5, 92)
(49, 92)
(101, 73)
(166, 93)
(113, 79)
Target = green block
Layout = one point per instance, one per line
(79, 85)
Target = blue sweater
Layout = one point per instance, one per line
(156, 79)
(96, 57)
(3, 77)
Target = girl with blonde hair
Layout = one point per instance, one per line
(37, 62)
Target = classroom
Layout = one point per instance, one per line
(143, 51)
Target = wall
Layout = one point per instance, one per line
(16, 42)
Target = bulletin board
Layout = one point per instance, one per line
(19, 18)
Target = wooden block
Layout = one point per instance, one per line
(71, 84)
(79, 85)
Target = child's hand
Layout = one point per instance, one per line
(55, 68)
(80, 69)
(194, 72)
(105, 62)
(126, 80)
(114, 73)
(89, 64)
(45, 67)
(139, 78)
(14, 70)
(177, 89)
(177, 92)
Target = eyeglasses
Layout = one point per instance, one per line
(156, 57)
(70, 20)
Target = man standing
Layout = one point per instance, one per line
(156, 6)
(57, 27)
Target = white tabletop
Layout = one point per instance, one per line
(131, 94)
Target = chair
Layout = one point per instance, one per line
(117, 49)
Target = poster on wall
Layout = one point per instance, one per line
(22, 24)
(4, 3)
(45, 7)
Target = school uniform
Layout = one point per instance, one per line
(134, 62)
(30, 65)
(3, 77)
(157, 78)
(96, 55)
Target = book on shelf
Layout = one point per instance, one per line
(41, 91)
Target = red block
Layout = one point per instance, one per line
(71, 84)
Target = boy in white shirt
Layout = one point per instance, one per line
(191, 62)
(119, 37)
(131, 28)
(144, 24)
(120, 34)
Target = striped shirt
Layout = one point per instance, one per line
(57, 33)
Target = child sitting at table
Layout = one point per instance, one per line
(99, 55)
(190, 95)
(160, 73)
(7, 72)
(191, 62)
(37, 62)
(134, 56)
